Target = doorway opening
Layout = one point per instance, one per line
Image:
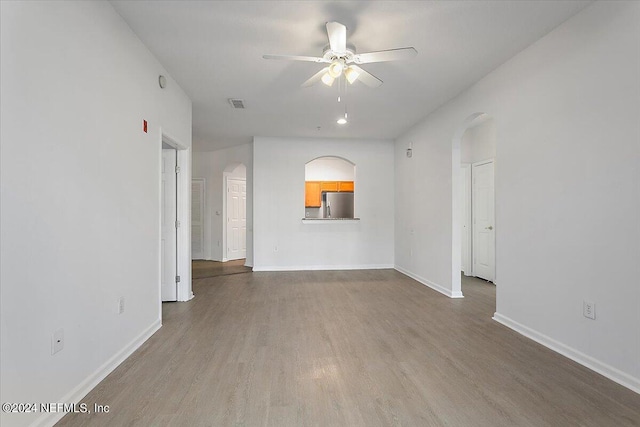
(175, 232)
(474, 151)
(235, 212)
(169, 278)
(198, 192)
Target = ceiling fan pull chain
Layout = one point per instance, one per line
(345, 98)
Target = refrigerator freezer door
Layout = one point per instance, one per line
(338, 205)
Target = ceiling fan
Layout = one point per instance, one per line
(343, 59)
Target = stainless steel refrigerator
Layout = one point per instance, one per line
(337, 205)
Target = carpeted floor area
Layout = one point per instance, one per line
(201, 269)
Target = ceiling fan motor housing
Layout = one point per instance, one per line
(348, 56)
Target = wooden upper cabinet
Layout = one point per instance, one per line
(329, 186)
(312, 194)
(313, 191)
(345, 186)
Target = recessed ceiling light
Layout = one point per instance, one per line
(342, 121)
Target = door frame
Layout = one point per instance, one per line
(169, 177)
(183, 215)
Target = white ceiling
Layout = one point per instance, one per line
(214, 50)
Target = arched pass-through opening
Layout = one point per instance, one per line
(461, 200)
(329, 188)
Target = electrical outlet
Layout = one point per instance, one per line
(57, 341)
(589, 310)
(120, 305)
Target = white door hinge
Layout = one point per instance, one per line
(177, 224)
(177, 279)
(177, 169)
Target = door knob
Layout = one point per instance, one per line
(489, 228)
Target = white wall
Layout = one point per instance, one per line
(479, 142)
(566, 112)
(283, 242)
(329, 169)
(211, 166)
(80, 196)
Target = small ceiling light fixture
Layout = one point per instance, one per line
(336, 68)
(327, 79)
(162, 81)
(342, 120)
(351, 74)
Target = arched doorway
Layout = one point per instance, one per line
(473, 200)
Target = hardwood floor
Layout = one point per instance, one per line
(348, 348)
(201, 269)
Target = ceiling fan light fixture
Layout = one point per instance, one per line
(336, 68)
(351, 75)
(327, 79)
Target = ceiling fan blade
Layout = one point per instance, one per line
(385, 55)
(315, 78)
(295, 58)
(337, 37)
(366, 77)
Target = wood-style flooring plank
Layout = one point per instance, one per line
(348, 348)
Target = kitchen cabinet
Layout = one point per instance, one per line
(312, 194)
(329, 186)
(313, 191)
(345, 186)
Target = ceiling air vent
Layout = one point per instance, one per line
(236, 103)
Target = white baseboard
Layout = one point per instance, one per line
(430, 284)
(82, 389)
(322, 267)
(610, 372)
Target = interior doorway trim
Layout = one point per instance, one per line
(183, 215)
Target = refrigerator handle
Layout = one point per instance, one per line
(328, 209)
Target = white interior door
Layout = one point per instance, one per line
(197, 219)
(169, 226)
(483, 220)
(236, 219)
